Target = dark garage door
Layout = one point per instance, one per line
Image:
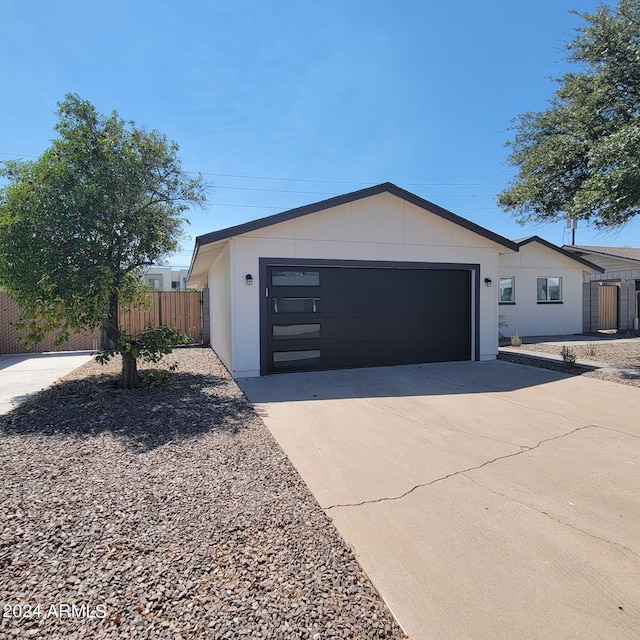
(341, 317)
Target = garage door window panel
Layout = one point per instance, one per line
(296, 360)
(296, 305)
(296, 331)
(290, 278)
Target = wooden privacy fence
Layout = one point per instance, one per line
(10, 337)
(180, 309)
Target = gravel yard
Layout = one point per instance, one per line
(616, 350)
(166, 512)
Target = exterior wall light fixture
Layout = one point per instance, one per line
(248, 279)
(487, 281)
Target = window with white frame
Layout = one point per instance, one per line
(549, 289)
(154, 283)
(507, 291)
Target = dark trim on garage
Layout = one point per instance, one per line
(386, 187)
(264, 263)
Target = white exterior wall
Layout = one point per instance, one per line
(382, 227)
(526, 316)
(220, 306)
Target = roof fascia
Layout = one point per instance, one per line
(386, 187)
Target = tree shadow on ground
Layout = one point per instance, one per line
(189, 406)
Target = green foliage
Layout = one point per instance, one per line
(149, 345)
(568, 355)
(580, 157)
(516, 340)
(78, 223)
(159, 376)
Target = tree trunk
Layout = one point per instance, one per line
(129, 376)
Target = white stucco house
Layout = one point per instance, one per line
(540, 291)
(375, 277)
(161, 278)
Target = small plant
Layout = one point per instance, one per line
(516, 340)
(159, 376)
(591, 350)
(149, 345)
(568, 355)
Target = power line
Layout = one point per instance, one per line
(310, 180)
(337, 193)
(409, 184)
(283, 208)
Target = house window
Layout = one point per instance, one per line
(549, 289)
(507, 291)
(155, 283)
(175, 286)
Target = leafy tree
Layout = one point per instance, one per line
(581, 157)
(78, 224)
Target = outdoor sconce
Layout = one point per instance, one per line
(487, 281)
(248, 279)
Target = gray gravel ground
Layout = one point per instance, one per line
(166, 512)
(618, 350)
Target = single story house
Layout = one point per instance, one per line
(612, 297)
(620, 264)
(540, 289)
(374, 277)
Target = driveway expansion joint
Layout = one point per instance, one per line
(523, 449)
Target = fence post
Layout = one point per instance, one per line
(206, 323)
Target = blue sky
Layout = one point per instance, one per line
(282, 103)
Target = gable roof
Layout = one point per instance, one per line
(624, 253)
(562, 251)
(385, 187)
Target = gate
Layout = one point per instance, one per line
(607, 307)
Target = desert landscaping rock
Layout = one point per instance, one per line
(167, 511)
(615, 350)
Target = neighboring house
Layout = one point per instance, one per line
(540, 289)
(612, 298)
(166, 278)
(374, 277)
(621, 264)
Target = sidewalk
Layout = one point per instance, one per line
(24, 374)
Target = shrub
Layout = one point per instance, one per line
(568, 355)
(516, 340)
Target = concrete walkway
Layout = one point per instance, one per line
(484, 500)
(23, 375)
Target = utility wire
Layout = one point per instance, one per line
(318, 181)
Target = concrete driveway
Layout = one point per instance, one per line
(484, 500)
(22, 375)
